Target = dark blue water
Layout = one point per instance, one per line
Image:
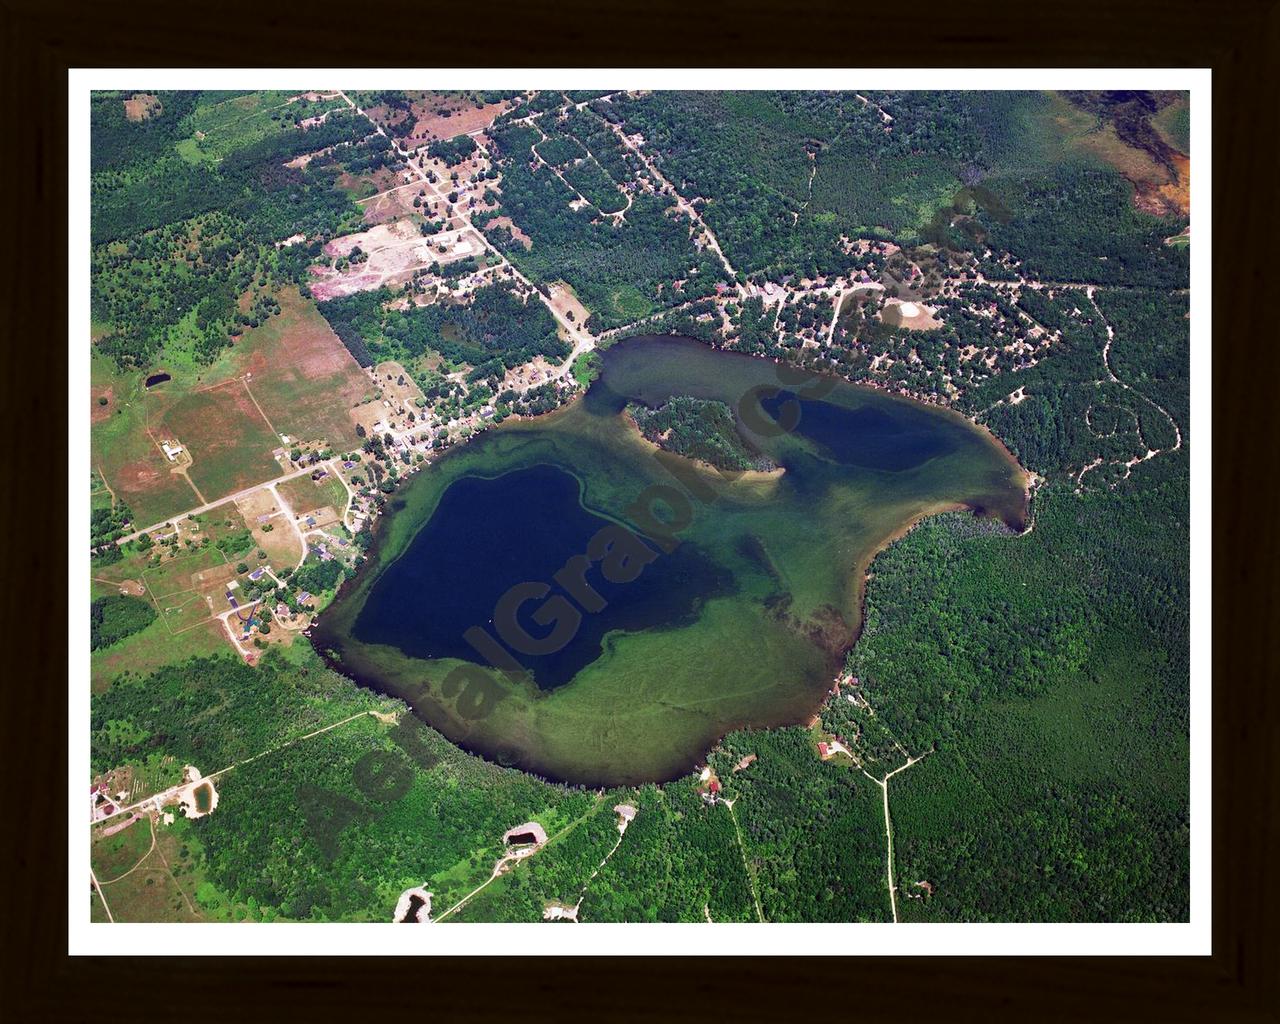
(488, 535)
(869, 438)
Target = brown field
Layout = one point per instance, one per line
(393, 401)
(429, 125)
(390, 374)
(142, 106)
(280, 543)
(175, 575)
(510, 225)
(215, 577)
(229, 439)
(393, 205)
(301, 375)
(361, 186)
(97, 411)
(305, 495)
(256, 505)
(567, 302)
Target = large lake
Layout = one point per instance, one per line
(636, 606)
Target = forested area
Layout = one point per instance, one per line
(1080, 224)
(1050, 673)
(679, 861)
(774, 169)
(621, 272)
(698, 429)
(1072, 412)
(813, 831)
(495, 331)
(109, 523)
(117, 616)
(177, 243)
(452, 151)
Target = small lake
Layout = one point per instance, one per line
(742, 595)
(157, 378)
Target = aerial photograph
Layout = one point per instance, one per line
(641, 505)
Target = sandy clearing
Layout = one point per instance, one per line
(510, 225)
(142, 106)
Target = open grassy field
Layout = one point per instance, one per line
(125, 454)
(146, 882)
(1174, 124)
(224, 126)
(175, 576)
(229, 439)
(301, 374)
(303, 494)
(152, 647)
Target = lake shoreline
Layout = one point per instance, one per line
(650, 707)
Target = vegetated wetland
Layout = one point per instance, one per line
(744, 623)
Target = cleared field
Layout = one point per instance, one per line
(145, 883)
(229, 440)
(150, 648)
(396, 250)
(436, 115)
(304, 495)
(260, 510)
(183, 611)
(176, 575)
(302, 375)
(223, 127)
(127, 457)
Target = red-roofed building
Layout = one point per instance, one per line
(822, 749)
(714, 787)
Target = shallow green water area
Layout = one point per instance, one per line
(747, 599)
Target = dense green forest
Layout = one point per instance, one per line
(496, 331)
(1049, 676)
(117, 616)
(620, 271)
(698, 429)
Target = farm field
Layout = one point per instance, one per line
(229, 439)
(127, 452)
(301, 375)
(306, 495)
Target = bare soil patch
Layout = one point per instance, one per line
(142, 106)
(445, 115)
(395, 250)
(567, 302)
(516, 232)
(914, 316)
